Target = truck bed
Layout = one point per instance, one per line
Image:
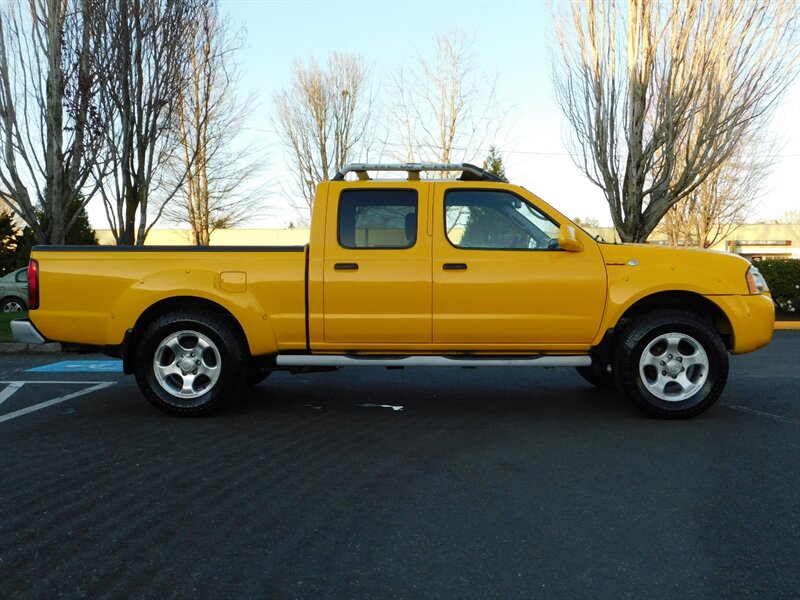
(93, 295)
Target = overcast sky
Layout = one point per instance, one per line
(512, 38)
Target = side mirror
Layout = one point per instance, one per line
(567, 239)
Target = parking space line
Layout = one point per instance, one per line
(13, 386)
(41, 405)
(753, 411)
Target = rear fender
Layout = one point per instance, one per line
(184, 288)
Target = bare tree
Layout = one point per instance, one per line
(323, 118)
(725, 200)
(215, 193)
(147, 43)
(790, 217)
(50, 128)
(587, 222)
(447, 106)
(660, 97)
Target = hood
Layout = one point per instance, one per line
(706, 271)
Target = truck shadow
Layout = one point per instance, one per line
(435, 393)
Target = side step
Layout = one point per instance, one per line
(333, 360)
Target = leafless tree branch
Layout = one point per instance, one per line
(445, 105)
(215, 192)
(323, 118)
(659, 96)
(148, 44)
(50, 127)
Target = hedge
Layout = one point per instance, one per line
(783, 278)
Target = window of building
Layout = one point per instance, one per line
(495, 220)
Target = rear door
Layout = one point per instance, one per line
(377, 266)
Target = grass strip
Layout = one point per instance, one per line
(5, 324)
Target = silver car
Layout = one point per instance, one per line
(14, 291)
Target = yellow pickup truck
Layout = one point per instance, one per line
(410, 271)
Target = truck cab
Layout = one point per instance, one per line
(449, 266)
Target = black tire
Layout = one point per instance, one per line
(256, 374)
(189, 362)
(12, 304)
(671, 364)
(598, 375)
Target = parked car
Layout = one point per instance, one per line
(14, 291)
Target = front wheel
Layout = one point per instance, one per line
(256, 373)
(189, 362)
(671, 364)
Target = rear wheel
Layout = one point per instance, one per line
(671, 364)
(189, 362)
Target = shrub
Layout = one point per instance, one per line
(783, 278)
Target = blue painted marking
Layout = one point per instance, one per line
(80, 366)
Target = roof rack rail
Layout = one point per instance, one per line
(468, 172)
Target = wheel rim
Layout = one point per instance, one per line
(12, 306)
(673, 367)
(187, 364)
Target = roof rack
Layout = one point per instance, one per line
(468, 172)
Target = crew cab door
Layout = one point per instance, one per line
(500, 279)
(377, 266)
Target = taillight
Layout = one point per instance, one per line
(33, 284)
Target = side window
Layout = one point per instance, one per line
(22, 276)
(495, 220)
(370, 218)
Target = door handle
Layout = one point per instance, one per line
(346, 266)
(454, 266)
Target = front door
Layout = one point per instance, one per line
(501, 281)
(377, 267)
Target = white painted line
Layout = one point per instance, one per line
(13, 386)
(42, 405)
(745, 409)
(394, 408)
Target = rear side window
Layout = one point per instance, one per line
(371, 218)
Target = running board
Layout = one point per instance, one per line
(333, 360)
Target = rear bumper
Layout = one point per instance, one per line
(752, 318)
(24, 331)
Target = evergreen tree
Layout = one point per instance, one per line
(494, 163)
(80, 234)
(8, 242)
(486, 227)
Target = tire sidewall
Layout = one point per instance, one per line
(232, 371)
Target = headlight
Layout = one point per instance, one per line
(755, 281)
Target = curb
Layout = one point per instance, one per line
(17, 348)
(787, 325)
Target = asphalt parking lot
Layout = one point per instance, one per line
(421, 483)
